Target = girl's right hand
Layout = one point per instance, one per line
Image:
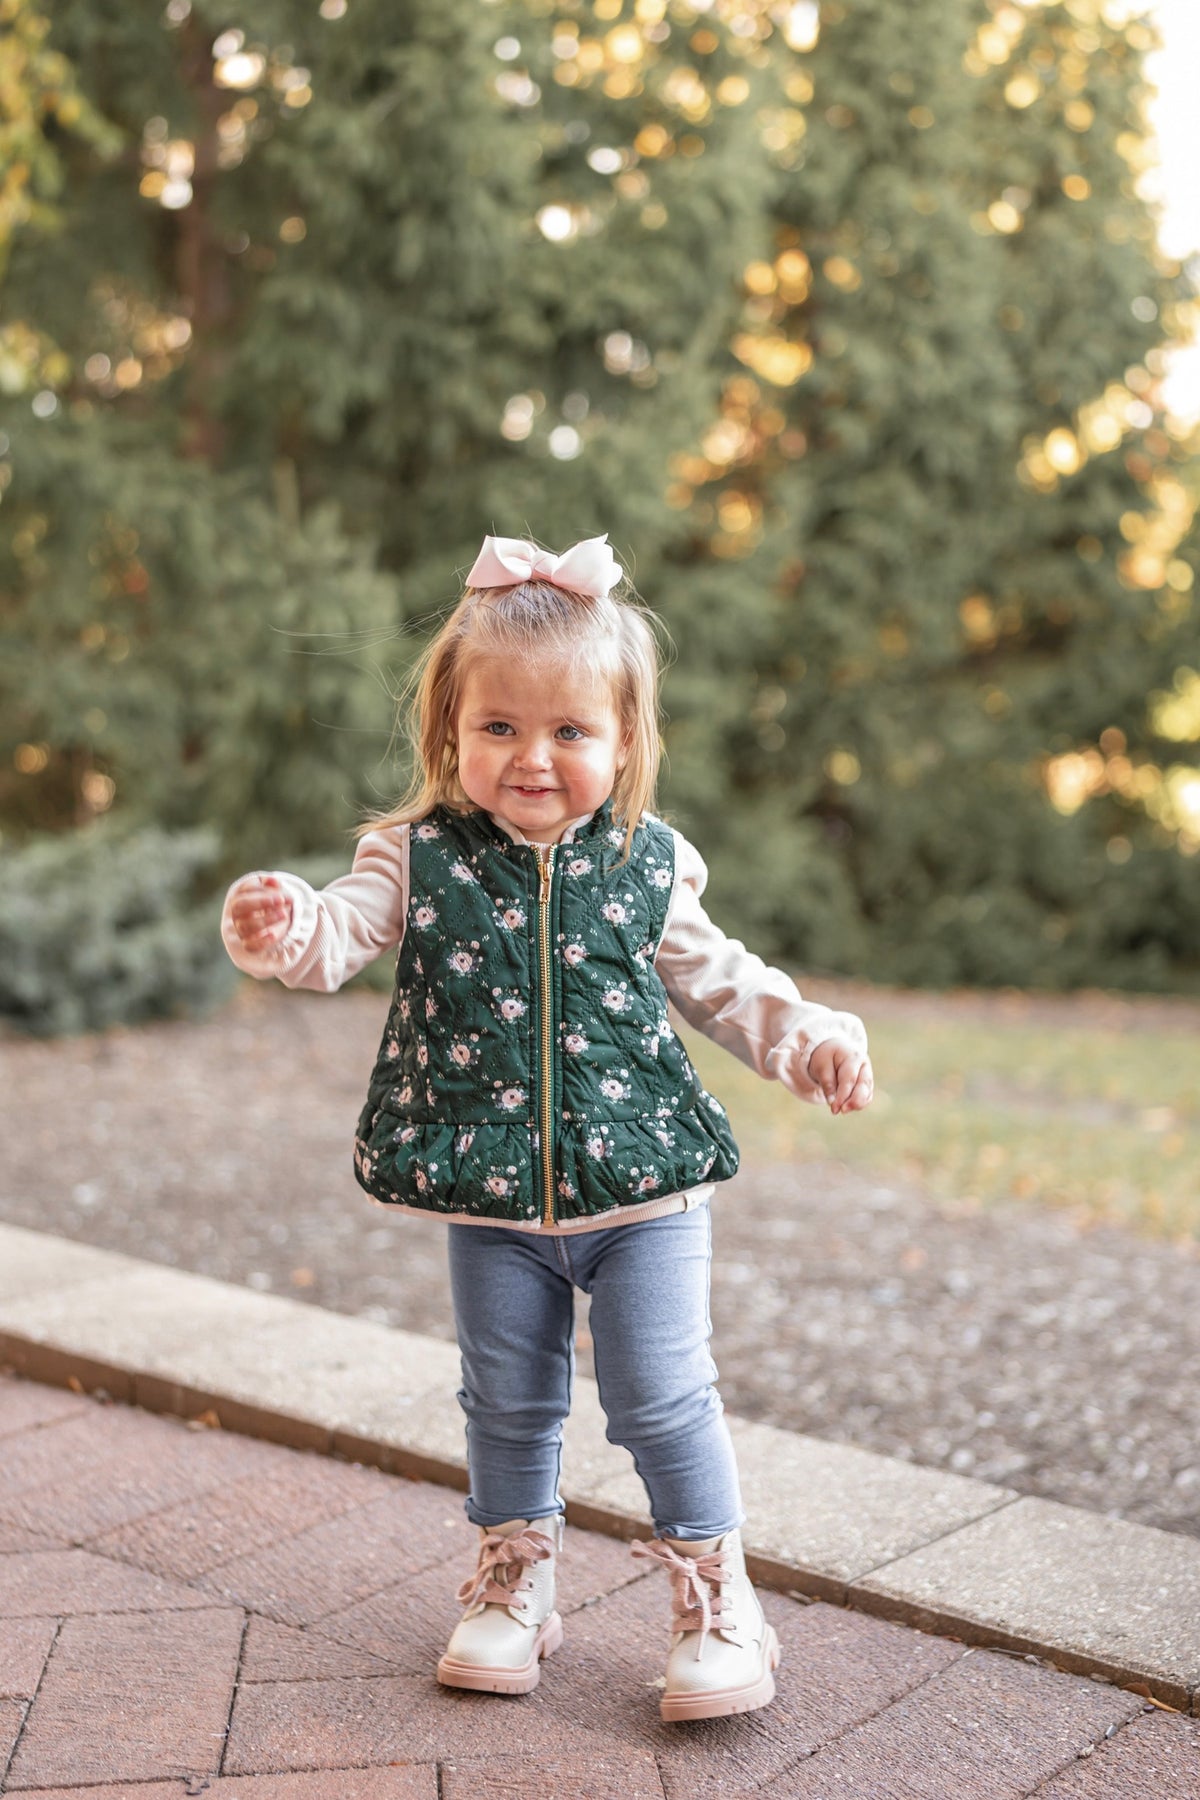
(261, 913)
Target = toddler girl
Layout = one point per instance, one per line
(529, 1088)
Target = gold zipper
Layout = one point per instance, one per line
(545, 858)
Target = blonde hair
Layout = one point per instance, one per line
(529, 626)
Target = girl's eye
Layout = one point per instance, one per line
(570, 732)
(497, 727)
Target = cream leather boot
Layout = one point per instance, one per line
(510, 1622)
(722, 1650)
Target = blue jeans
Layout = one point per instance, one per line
(514, 1308)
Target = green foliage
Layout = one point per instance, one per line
(172, 631)
(39, 97)
(206, 568)
(932, 609)
(103, 927)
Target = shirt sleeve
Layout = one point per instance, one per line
(335, 930)
(732, 996)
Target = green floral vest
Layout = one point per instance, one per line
(528, 1070)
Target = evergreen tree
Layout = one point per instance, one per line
(156, 590)
(506, 302)
(351, 291)
(102, 927)
(1086, 607)
(926, 627)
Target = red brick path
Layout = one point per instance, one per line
(186, 1612)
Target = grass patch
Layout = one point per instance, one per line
(976, 1111)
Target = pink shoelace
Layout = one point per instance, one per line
(694, 1607)
(501, 1561)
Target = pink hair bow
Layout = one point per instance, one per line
(588, 567)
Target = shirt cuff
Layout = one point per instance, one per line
(276, 960)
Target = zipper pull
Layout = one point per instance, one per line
(545, 870)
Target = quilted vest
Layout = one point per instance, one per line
(527, 1069)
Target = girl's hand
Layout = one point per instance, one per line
(845, 1077)
(261, 913)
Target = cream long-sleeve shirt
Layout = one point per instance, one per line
(724, 990)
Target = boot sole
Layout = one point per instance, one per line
(720, 1703)
(453, 1673)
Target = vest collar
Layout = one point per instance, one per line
(518, 836)
(495, 830)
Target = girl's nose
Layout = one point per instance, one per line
(534, 755)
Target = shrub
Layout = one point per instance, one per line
(104, 926)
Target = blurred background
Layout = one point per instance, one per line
(860, 329)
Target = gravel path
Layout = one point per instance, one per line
(1009, 1344)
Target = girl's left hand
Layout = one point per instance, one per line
(844, 1076)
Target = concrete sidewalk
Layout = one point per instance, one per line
(188, 1611)
(184, 1603)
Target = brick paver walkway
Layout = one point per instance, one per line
(187, 1612)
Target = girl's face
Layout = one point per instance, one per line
(541, 749)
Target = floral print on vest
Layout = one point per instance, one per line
(454, 1112)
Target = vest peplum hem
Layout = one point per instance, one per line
(488, 1170)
